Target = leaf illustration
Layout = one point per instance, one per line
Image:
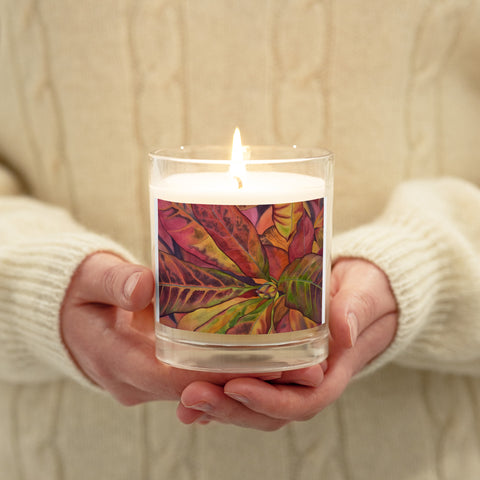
(273, 238)
(315, 210)
(277, 259)
(232, 316)
(266, 220)
(286, 217)
(240, 269)
(258, 321)
(165, 241)
(302, 241)
(319, 226)
(185, 287)
(251, 212)
(202, 316)
(169, 320)
(236, 236)
(301, 282)
(288, 319)
(191, 236)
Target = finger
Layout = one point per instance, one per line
(110, 357)
(362, 294)
(286, 402)
(106, 278)
(292, 402)
(210, 399)
(114, 347)
(373, 341)
(310, 377)
(123, 355)
(189, 416)
(126, 356)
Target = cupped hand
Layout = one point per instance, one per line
(363, 322)
(107, 325)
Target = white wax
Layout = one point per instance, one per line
(257, 188)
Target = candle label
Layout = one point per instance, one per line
(240, 269)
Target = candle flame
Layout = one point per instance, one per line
(237, 164)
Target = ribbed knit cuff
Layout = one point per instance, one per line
(33, 283)
(413, 255)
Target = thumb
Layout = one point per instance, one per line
(362, 295)
(108, 279)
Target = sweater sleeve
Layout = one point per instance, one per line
(41, 246)
(427, 241)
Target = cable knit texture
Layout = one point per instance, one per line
(87, 88)
(428, 246)
(33, 275)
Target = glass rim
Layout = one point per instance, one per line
(291, 154)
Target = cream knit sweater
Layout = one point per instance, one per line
(392, 87)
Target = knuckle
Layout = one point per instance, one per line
(365, 304)
(110, 281)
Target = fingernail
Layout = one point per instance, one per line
(131, 283)
(204, 419)
(352, 322)
(324, 366)
(201, 406)
(270, 376)
(237, 397)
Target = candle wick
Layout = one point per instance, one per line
(240, 183)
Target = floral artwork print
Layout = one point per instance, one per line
(240, 269)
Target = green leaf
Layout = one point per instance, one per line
(230, 317)
(202, 318)
(288, 319)
(286, 216)
(301, 283)
(258, 321)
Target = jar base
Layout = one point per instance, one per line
(246, 354)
